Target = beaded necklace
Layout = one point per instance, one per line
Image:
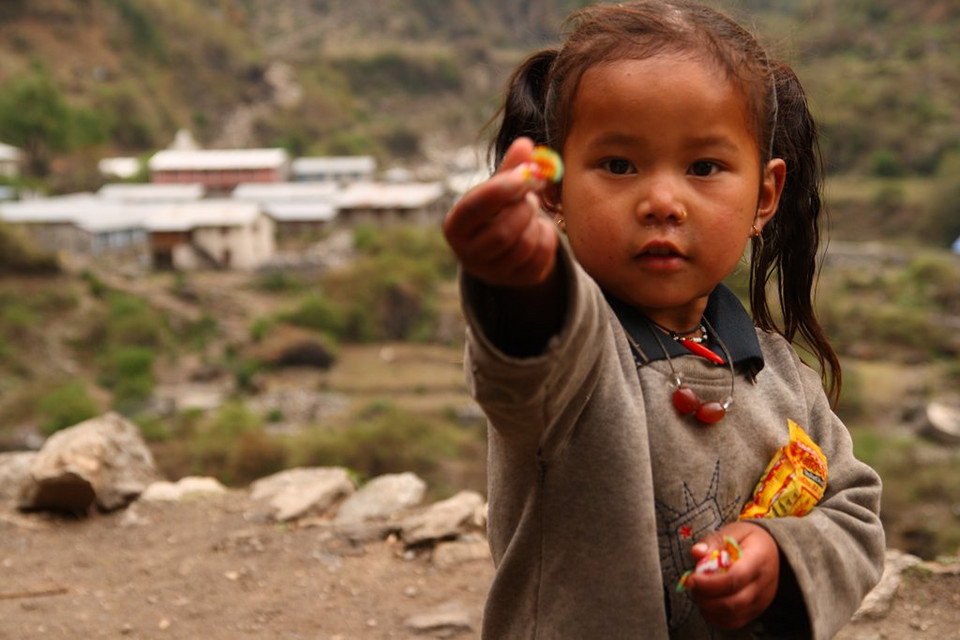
(685, 399)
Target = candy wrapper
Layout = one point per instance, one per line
(793, 482)
(545, 165)
(717, 561)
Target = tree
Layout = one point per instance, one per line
(35, 116)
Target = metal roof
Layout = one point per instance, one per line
(220, 212)
(284, 191)
(217, 159)
(151, 192)
(333, 165)
(379, 195)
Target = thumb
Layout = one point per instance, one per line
(706, 545)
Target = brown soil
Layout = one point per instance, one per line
(205, 569)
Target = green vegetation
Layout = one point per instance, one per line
(388, 293)
(64, 406)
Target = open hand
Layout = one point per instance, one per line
(732, 599)
(497, 230)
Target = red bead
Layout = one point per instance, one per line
(686, 401)
(711, 412)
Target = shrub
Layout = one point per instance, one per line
(64, 406)
(383, 439)
(128, 371)
(318, 312)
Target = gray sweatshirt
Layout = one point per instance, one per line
(598, 488)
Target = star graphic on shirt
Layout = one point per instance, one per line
(689, 518)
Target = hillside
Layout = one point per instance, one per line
(408, 81)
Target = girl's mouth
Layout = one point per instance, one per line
(661, 256)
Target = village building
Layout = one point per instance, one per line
(300, 210)
(149, 193)
(418, 203)
(219, 170)
(215, 233)
(123, 168)
(9, 161)
(340, 170)
(81, 225)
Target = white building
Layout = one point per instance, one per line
(386, 203)
(151, 193)
(219, 170)
(80, 224)
(219, 233)
(9, 161)
(336, 169)
(298, 208)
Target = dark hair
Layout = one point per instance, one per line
(540, 97)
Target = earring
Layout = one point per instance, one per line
(754, 232)
(561, 222)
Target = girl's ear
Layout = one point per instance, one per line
(550, 197)
(771, 188)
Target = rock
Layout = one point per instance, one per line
(445, 621)
(381, 497)
(451, 554)
(303, 491)
(103, 462)
(942, 423)
(190, 485)
(289, 346)
(14, 469)
(442, 520)
(878, 602)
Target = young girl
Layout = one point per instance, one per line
(633, 405)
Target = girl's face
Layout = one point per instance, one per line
(663, 183)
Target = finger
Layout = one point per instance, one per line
(520, 151)
(481, 205)
(535, 253)
(528, 262)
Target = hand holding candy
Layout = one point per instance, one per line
(498, 230)
(717, 561)
(731, 597)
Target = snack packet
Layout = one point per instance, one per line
(793, 482)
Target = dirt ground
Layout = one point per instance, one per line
(204, 569)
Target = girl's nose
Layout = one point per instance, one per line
(661, 205)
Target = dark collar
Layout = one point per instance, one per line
(725, 314)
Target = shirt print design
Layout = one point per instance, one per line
(678, 528)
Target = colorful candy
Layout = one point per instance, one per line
(718, 561)
(545, 164)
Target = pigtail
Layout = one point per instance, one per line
(788, 249)
(522, 113)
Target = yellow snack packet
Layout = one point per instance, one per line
(793, 482)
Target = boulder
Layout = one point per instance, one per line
(189, 486)
(444, 520)
(103, 462)
(14, 469)
(382, 497)
(942, 423)
(303, 491)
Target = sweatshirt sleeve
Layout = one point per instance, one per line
(534, 401)
(836, 551)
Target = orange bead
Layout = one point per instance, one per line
(685, 400)
(711, 412)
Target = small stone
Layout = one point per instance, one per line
(164, 624)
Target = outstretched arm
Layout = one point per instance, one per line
(505, 242)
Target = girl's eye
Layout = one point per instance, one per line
(618, 166)
(703, 168)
